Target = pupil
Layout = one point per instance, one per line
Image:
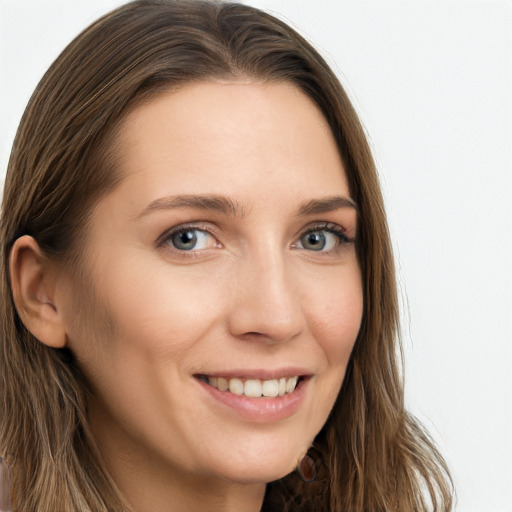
(185, 240)
(314, 241)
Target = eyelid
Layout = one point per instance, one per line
(331, 227)
(335, 230)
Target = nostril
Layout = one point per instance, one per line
(260, 337)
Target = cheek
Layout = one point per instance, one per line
(160, 321)
(165, 312)
(335, 313)
(157, 321)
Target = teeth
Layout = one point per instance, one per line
(236, 386)
(282, 386)
(291, 383)
(222, 384)
(254, 388)
(270, 388)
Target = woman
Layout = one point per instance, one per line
(198, 284)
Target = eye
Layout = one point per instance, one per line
(319, 241)
(323, 238)
(190, 239)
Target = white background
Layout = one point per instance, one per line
(432, 81)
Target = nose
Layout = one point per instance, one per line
(266, 305)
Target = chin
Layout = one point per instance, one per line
(257, 475)
(260, 466)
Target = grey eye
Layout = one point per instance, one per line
(190, 239)
(321, 240)
(314, 241)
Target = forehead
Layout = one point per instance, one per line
(244, 136)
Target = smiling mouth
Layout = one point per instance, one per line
(253, 388)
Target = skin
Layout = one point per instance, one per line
(250, 295)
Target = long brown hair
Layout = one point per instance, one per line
(372, 456)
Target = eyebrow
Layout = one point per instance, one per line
(216, 203)
(327, 204)
(233, 208)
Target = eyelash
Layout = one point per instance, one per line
(338, 231)
(335, 229)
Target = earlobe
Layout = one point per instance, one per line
(33, 289)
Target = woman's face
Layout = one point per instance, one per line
(225, 258)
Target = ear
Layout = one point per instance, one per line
(33, 288)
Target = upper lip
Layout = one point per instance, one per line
(259, 373)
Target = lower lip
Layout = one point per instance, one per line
(262, 409)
